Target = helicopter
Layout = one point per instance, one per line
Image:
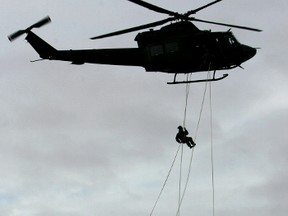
(177, 48)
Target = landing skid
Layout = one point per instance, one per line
(197, 81)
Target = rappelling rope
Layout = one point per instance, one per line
(192, 152)
(212, 149)
(164, 184)
(180, 199)
(186, 98)
(173, 162)
(180, 179)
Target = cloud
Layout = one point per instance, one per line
(95, 139)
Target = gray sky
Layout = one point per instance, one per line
(99, 140)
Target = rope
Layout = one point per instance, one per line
(186, 98)
(202, 105)
(186, 183)
(212, 149)
(192, 152)
(180, 179)
(180, 198)
(165, 182)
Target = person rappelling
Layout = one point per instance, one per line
(182, 137)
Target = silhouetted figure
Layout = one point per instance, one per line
(182, 137)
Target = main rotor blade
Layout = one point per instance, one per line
(137, 28)
(201, 8)
(154, 7)
(224, 24)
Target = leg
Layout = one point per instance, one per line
(189, 145)
(191, 142)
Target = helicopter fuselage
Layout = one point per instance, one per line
(176, 48)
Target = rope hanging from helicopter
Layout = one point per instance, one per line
(181, 194)
(181, 198)
(192, 152)
(211, 144)
(212, 149)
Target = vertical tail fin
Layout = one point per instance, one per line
(45, 50)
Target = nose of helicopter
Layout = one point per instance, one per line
(248, 52)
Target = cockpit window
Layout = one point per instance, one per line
(229, 41)
(232, 41)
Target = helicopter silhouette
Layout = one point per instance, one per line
(177, 48)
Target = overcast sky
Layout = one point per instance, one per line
(99, 139)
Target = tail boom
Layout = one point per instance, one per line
(125, 56)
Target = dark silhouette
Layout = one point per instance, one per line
(177, 48)
(182, 137)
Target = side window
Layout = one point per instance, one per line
(171, 47)
(156, 50)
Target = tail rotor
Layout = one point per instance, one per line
(39, 24)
